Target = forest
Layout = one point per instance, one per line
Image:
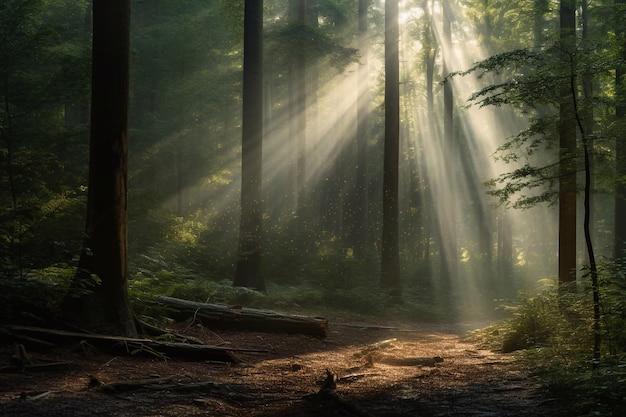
(403, 162)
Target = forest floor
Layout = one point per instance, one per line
(288, 379)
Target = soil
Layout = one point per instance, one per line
(293, 377)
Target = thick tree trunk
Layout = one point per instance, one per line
(248, 272)
(390, 268)
(246, 318)
(567, 140)
(105, 249)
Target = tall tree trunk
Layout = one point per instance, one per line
(588, 118)
(567, 141)
(299, 114)
(593, 268)
(390, 268)
(312, 117)
(105, 248)
(430, 56)
(362, 136)
(540, 8)
(448, 242)
(582, 121)
(619, 248)
(248, 272)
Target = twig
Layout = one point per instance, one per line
(329, 390)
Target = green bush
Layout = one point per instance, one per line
(552, 328)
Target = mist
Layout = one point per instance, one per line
(461, 251)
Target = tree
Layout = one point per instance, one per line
(390, 261)
(359, 228)
(540, 8)
(248, 272)
(447, 234)
(619, 245)
(103, 258)
(539, 81)
(298, 77)
(567, 144)
(429, 57)
(297, 16)
(559, 75)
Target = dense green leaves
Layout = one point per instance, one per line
(528, 81)
(44, 73)
(554, 338)
(305, 41)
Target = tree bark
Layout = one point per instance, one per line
(448, 241)
(105, 248)
(620, 145)
(359, 233)
(301, 181)
(248, 273)
(567, 141)
(246, 318)
(390, 268)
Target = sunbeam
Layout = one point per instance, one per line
(456, 170)
(447, 215)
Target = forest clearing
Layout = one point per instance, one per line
(379, 171)
(288, 378)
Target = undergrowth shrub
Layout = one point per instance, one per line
(552, 328)
(37, 297)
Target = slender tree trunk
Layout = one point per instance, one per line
(567, 140)
(300, 117)
(587, 120)
(312, 116)
(540, 8)
(579, 117)
(7, 135)
(105, 248)
(390, 277)
(362, 135)
(593, 268)
(448, 242)
(619, 249)
(248, 272)
(505, 244)
(432, 228)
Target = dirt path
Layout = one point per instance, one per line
(286, 380)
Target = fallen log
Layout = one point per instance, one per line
(244, 318)
(129, 345)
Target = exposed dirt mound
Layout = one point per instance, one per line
(359, 370)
